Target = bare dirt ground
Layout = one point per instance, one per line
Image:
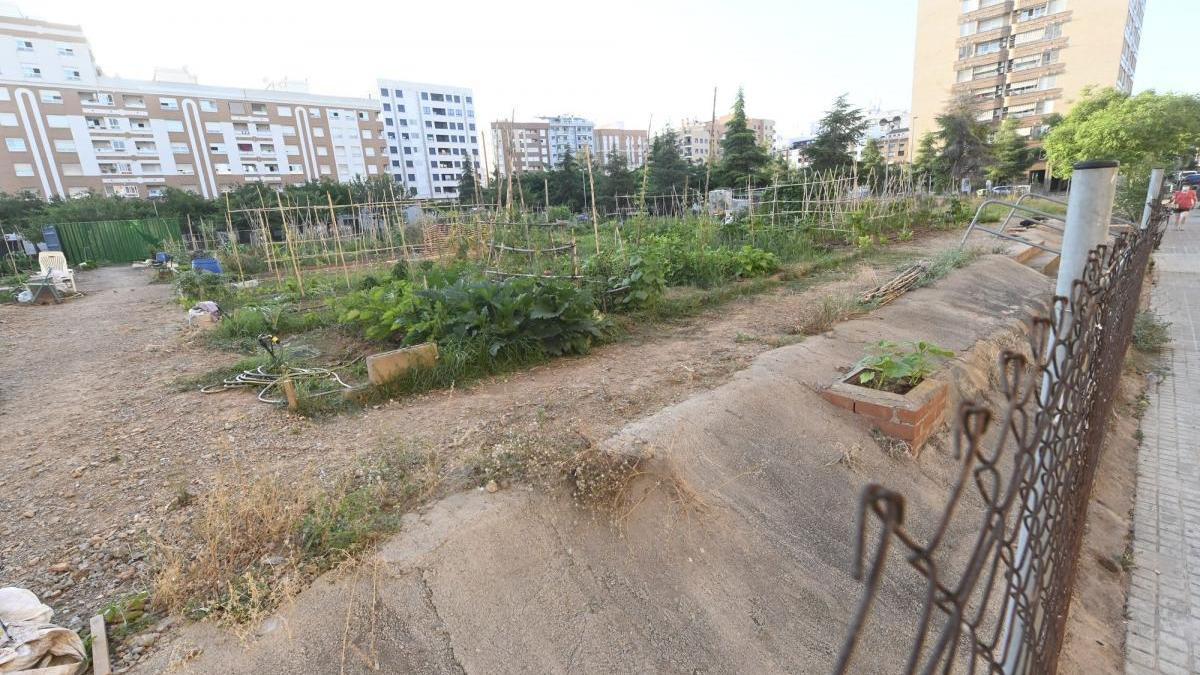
(97, 441)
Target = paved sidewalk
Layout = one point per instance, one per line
(1164, 598)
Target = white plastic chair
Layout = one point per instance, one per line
(55, 261)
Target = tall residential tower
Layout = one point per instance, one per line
(1020, 59)
(431, 136)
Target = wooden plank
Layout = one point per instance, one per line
(100, 664)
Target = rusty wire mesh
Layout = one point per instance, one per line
(987, 603)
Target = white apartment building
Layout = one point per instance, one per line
(431, 136)
(569, 134)
(539, 146)
(69, 131)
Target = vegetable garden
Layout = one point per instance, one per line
(499, 289)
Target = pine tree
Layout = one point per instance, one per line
(741, 155)
(668, 169)
(1011, 155)
(839, 131)
(618, 180)
(566, 183)
(467, 182)
(964, 142)
(872, 166)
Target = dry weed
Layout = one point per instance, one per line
(892, 447)
(832, 310)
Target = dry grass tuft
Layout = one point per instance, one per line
(832, 310)
(253, 542)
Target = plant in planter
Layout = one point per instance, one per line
(893, 389)
(898, 367)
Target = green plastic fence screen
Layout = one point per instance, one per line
(116, 241)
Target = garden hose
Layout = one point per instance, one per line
(270, 379)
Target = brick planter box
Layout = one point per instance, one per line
(911, 417)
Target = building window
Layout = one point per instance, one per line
(64, 145)
(383, 92)
(50, 96)
(8, 120)
(71, 74)
(134, 101)
(168, 104)
(258, 108)
(207, 105)
(15, 144)
(387, 107)
(175, 125)
(23, 169)
(65, 50)
(31, 72)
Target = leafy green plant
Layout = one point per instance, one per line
(1150, 333)
(753, 262)
(898, 367)
(544, 315)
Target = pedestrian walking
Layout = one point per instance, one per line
(1183, 202)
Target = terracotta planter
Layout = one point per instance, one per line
(911, 417)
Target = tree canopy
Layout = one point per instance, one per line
(742, 157)
(1011, 155)
(668, 169)
(1142, 132)
(838, 133)
(963, 141)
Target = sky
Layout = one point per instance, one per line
(619, 62)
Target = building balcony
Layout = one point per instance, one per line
(1032, 96)
(1041, 21)
(998, 9)
(969, 85)
(982, 59)
(985, 36)
(1036, 47)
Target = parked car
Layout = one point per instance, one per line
(1004, 191)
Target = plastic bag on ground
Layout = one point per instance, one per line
(30, 640)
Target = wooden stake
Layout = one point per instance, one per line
(100, 662)
(337, 237)
(712, 132)
(287, 235)
(289, 392)
(587, 152)
(233, 242)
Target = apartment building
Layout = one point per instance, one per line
(70, 131)
(699, 139)
(539, 146)
(1020, 59)
(521, 146)
(634, 144)
(430, 136)
(891, 129)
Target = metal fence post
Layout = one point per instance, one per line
(1153, 193)
(1089, 214)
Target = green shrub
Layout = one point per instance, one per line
(899, 367)
(1150, 333)
(195, 286)
(751, 262)
(517, 315)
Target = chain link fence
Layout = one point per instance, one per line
(998, 601)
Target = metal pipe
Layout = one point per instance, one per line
(1089, 213)
(1153, 193)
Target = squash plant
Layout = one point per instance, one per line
(899, 367)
